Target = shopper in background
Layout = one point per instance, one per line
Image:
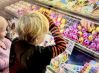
(26, 55)
(4, 46)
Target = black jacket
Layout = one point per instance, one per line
(33, 58)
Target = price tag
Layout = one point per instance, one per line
(70, 46)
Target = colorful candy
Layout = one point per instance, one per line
(93, 46)
(86, 42)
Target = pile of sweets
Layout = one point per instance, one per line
(84, 32)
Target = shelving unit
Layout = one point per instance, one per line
(73, 15)
(68, 12)
(84, 49)
(77, 16)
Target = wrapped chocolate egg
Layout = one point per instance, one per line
(86, 42)
(62, 26)
(84, 23)
(97, 29)
(75, 25)
(66, 32)
(93, 46)
(83, 30)
(63, 21)
(75, 31)
(79, 27)
(85, 35)
(80, 33)
(93, 26)
(90, 30)
(74, 37)
(80, 40)
(94, 33)
(90, 37)
(97, 47)
(71, 28)
(96, 40)
(70, 35)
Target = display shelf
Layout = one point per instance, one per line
(93, 54)
(68, 12)
(77, 16)
(75, 63)
(81, 47)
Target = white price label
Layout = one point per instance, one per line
(70, 46)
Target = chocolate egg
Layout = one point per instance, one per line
(74, 37)
(85, 35)
(92, 46)
(96, 40)
(75, 25)
(75, 31)
(79, 27)
(80, 33)
(97, 47)
(63, 21)
(86, 42)
(97, 29)
(81, 39)
(90, 38)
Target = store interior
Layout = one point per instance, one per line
(78, 21)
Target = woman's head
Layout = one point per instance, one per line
(33, 27)
(3, 27)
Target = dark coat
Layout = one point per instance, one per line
(31, 59)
